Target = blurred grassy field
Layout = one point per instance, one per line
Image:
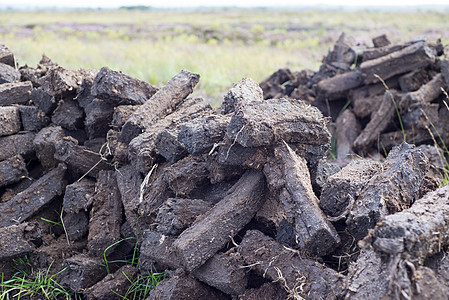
(222, 45)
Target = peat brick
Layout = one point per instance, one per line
(9, 120)
(403, 174)
(244, 91)
(264, 123)
(81, 272)
(33, 119)
(113, 286)
(8, 74)
(12, 170)
(417, 55)
(15, 93)
(274, 261)
(30, 201)
(105, 216)
(21, 143)
(45, 145)
(194, 245)
(118, 88)
(159, 105)
(6, 56)
(199, 135)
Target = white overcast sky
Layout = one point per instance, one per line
(193, 3)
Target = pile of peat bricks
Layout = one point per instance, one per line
(240, 201)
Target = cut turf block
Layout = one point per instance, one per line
(60, 82)
(272, 86)
(244, 91)
(182, 286)
(12, 170)
(265, 123)
(98, 118)
(162, 103)
(223, 271)
(380, 41)
(33, 119)
(337, 87)
(30, 201)
(412, 81)
(313, 233)
(121, 114)
(348, 129)
(187, 174)
(105, 216)
(68, 115)
(425, 94)
(398, 247)
(128, 182)
(157, 250)
(80, 160)
(268, 290)
(43, 100)
(113, 286)
(169, 147)
(81, 272)
(378, 123)
(419, 231)
(9, 120)
(177, 214)
(417, 55)
(272, 260)
(13, 242)
(16, 144)
(78, 196)
(45, 145)
(199, 135)
(15, 93)
(142, 149)
(118, 88)
(216, 227)
(8, 74)
(6, 56)
(393, 188)
(346, 185)
(76, 225)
